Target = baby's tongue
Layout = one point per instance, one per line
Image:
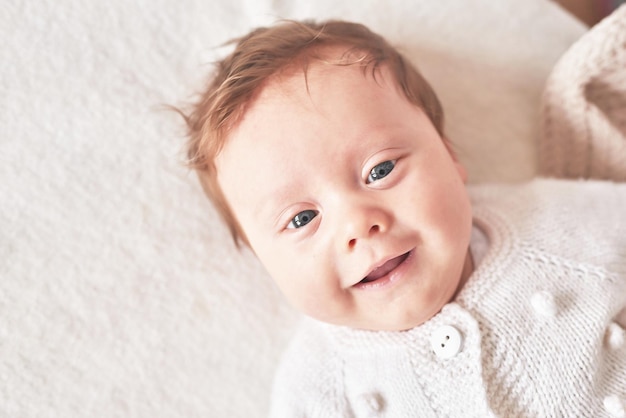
(379, 272)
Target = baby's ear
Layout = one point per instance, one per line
(459, 167)
(449, 147)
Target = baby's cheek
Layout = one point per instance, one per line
(323, 300)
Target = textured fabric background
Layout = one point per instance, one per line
(583, 129)
(121, 294)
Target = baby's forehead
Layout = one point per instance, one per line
(319, 74)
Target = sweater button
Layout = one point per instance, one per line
(614, 336)
(446, 342)
(614, 406)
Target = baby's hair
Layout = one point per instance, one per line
(265, 52)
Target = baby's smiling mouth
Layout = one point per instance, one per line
(384, 269)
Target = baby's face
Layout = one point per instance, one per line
(350, 198)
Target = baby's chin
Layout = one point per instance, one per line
(377, 324)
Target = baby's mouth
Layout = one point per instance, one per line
(385, 269)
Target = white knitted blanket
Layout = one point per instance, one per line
(584, 108)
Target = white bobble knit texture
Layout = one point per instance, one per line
(544, 305)
(369, 405)
(614, 406)
(615, 336)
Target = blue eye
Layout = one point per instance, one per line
(380, 171)
(302, 218)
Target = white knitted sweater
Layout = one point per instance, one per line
(538, 322)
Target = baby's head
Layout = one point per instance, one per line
(323, 150)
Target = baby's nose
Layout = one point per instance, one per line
(362, 222)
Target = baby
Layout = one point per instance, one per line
(324, 151)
